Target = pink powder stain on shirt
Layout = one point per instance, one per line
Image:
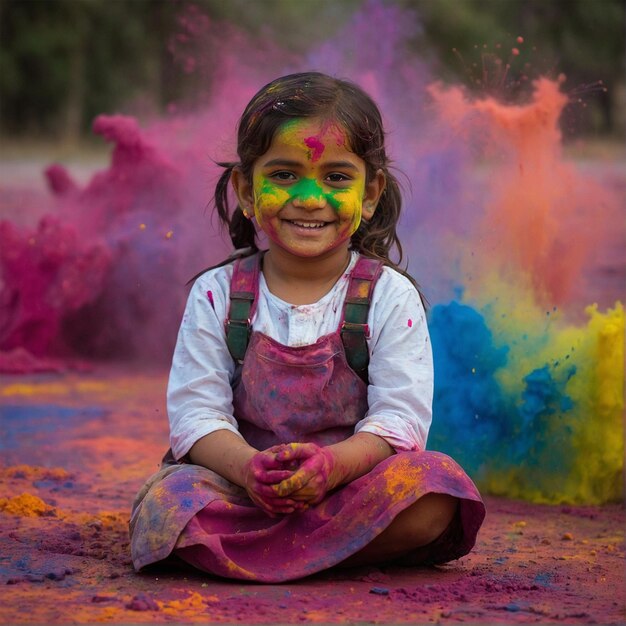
(316, 145)
(410, 323)
(209, 295)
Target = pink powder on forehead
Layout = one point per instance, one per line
(316, 146)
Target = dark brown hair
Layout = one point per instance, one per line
(312, 94)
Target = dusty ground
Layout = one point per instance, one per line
(76, 447)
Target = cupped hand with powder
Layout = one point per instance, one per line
(314, 476)
(261, 475)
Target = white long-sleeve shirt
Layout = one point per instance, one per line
(400, 390)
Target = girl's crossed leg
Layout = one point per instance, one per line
(415, 527)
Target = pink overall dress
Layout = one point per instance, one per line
(294, 394)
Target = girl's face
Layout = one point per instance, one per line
(309, 190)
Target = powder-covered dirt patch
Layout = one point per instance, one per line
(83, 443)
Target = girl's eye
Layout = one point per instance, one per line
(338, 177)
(283, 176)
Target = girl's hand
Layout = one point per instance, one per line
(313, 478)
(261, 473)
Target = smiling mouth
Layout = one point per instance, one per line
(309, 225)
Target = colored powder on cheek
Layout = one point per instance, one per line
(347, 199)
(348, 202)
(268, 196)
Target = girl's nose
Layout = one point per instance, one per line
(310, 201)
(308, 194)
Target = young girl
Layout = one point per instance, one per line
(300, 392)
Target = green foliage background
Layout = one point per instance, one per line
(64, 61)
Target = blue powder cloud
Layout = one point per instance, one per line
(480, 424)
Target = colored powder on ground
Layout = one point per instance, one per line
(186, 606)
(30, 472)
(26, 505)
(500, 229)
(64, 387)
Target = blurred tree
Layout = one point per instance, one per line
(36, 61)
(297, 24)
(64, 61)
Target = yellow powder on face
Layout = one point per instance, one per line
(312, 135)
(26, 505)
(268, 196)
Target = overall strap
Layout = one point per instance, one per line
(244, 289)
(354, 328)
